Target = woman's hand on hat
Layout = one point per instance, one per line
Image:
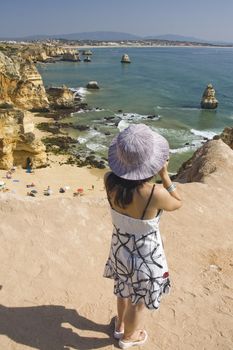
(164, 170)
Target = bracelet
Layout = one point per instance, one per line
(171, 188)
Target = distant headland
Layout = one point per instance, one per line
(107, 38)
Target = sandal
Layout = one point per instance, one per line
(117, 334)
(127, 344)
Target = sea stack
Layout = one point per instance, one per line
(125, 59)
(92, 85)
(87, 59)
(209, 100)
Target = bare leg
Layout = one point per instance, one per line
(132, 319)
(122, 304)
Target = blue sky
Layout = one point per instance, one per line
(205, 19)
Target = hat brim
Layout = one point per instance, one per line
(146, 169)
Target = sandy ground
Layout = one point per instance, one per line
(52, 256)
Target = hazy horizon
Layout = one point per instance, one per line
(203, 20)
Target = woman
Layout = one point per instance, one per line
(137, 262)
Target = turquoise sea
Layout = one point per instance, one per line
(165, 82)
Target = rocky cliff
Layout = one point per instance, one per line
(60, 97)
(20, 84)
(213, 157)
(226, 136)
(18, 141)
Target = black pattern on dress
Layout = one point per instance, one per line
(137, 262)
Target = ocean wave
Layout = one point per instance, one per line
(96, 147)
(137, 117)
(204, 133)
(183, 149)
(80, 92)
(92, 133)
(90, 110)
(179, 108)
(81, 140)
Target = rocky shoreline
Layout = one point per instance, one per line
(23, 93)
(24, 96)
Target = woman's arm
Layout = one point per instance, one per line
(168, 200)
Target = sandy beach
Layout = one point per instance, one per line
(57, 175)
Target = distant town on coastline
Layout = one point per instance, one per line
(99, 38)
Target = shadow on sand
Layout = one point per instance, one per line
(41, 327)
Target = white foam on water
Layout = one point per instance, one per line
(122, 125)
(90, 110)
(90, 135)
(93, 133)
(81, 92)
(183, 149)
(96, 147)
(179, 108)
(204, 133)
(136, 116)
(82, 140)
(80, 111)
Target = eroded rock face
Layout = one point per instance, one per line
(209, 100)
(71, 56)
(92, 85)
(21, 84)
(213, 156)
(125, 59)
(40, 52)
(60, 97)
(226, 136)
(18, 141)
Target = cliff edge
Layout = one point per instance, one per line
(53, 252)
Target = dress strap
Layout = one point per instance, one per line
(148, 202)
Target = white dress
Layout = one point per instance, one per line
(136, 261)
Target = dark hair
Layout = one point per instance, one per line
(124, 189)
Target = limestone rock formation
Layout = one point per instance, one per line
(87, 59)
(125, 59)
(18, 141)
(87, 53)
(71, 56)
(209, 100)
(213, 156)
(226, 136)
(92, 85)
(54, 51)
(40, 52)
(60, 97)
(21, 84)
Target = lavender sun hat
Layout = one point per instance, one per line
(137, 153)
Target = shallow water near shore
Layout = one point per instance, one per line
(163, 83)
